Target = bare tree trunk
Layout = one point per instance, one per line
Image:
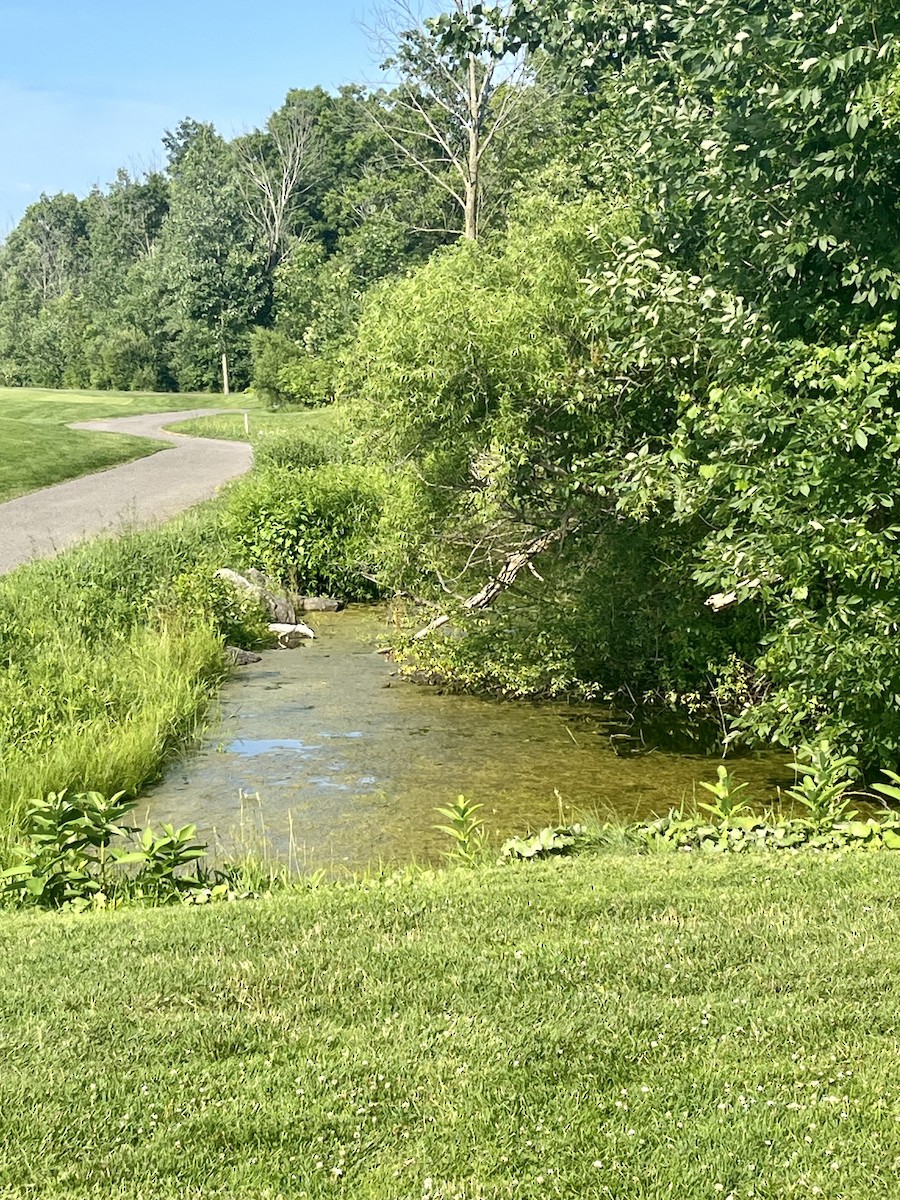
(225, 388)
(470, 229)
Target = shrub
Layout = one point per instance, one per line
(313, 529)
(286, 374)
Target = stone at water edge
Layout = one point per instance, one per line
(241, 658)
(290, 636)
(317, 603)
(279, 608)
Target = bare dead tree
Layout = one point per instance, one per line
(48, 266)
(275, 170)
(448, 107)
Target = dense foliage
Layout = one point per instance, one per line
(656, 396)
(680, 363)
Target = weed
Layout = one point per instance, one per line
(466, 830)
(64, 859)
(67, 859)
(822, 786)
(161, 859)
(889, 789)
(725, 793)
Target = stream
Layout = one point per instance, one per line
(323, 757)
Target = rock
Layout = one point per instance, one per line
(241, 658)
(278, 607)
(289, 634)
(318, 604)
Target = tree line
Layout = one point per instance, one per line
(260, 248)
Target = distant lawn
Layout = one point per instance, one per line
(36, 454)
(231, 427)
(37, 450)
(61, 407)
(622, 1028)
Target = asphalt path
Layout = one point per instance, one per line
(135, 494)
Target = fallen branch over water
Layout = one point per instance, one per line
(505, 577)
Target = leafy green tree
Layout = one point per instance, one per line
(214, 261)
(765, 137)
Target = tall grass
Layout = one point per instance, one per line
(109, 656)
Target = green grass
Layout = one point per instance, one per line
(60, 406)
(230, 426)
(611, 1027)
(109, 656)
(37, 450)
(36, 454)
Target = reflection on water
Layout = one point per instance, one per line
(327, 751)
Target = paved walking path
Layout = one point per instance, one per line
(143, 492)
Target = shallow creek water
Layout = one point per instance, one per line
(323, 754)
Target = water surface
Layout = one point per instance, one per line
(336, 762)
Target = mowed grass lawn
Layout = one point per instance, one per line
(232, 427)
(37, 449)
(621, 1027)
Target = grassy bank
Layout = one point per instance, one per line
(109, 655)
(39, 450)
(608, 1027)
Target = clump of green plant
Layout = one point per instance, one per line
(823, 782)
(67, 859)
(237, 617)
(64, 857)
(312, 529)
(161, 858)
(822, 793)
(727, 804)
(677, 831)
(549, 841)
(466, 831)
(293, 449)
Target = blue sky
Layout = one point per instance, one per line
(87, 86)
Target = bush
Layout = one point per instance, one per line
(286, 374)
(312, 529)
(294, 450)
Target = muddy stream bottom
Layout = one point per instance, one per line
(323, 757)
